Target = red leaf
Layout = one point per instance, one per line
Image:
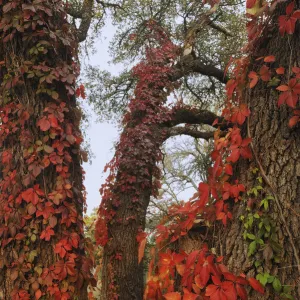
(264, 72)
(228, 169)
(256, 285)
(47, 233)
(202, 278)
(211, 289)
(30, 196)
(289, 9)
(20, 236)
(189, 296)
(240, 113)
(44, 124)
(250, 3)
(204, 193)
(241, 292)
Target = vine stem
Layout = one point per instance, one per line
(267, 181)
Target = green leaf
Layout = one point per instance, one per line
(262, 278)
(268, 227)
(260, 241)
(277, 285)
(251, 248)
(266, 205)
(32, 255)
(257, 263)
(251, 236)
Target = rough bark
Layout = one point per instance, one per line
(121, 271)
(277, 148)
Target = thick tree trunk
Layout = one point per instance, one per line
(122, 272)
(278, 151)
(41, 200)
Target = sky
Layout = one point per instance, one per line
(101, 136)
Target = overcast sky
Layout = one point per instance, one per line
(101, 135)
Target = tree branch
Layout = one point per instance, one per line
(85, 13)
(110, 5)
(188, 115)
(190, 64)
(86, 19)
(174, 131)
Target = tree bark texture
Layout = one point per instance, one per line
(278, 151)
(122, 274)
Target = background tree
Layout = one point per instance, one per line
(133, 170)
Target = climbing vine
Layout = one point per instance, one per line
(201, 271)
(42, 197)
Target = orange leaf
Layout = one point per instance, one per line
(142, 245)
(190, 296)
(270, 58)
(293, 121)
(172, 296)
(283, 88)
(280, 70)
(254, 79)
(38, 294)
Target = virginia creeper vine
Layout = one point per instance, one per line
(42, 254)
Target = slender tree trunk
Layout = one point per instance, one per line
(41, 200)
(122, 274)
(278, 151)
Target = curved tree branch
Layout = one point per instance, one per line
(190, 64)
(190, 115)
(174, 131)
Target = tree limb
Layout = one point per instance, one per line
(190, 64)
(174, 131)
(188, 115)
(86, 19)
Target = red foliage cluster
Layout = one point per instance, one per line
(200, 269)
(40, 199)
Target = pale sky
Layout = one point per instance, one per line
(101, 135)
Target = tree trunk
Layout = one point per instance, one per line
(278, 151)
(122, 274)
(41, 201)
